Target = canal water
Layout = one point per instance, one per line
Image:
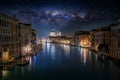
(64, 62)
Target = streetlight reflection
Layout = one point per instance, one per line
(84, 55)
(48, 47)
(5, 73)
(53, 51)
(67, 49)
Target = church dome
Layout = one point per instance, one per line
(52, 33)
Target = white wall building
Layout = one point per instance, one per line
(59, 34)
(54, 34)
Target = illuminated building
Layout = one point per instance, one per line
(82, 38)
(76, 39)
(8, 34)
(54, 37)
(25, 36)
(102, 38)
(55, 34)
(38, 40)
(52, 33)
(115, 41)
(92, 32)
(33, 36)
(59, 34)
(33, 40)
(14, 35)
(72, 41)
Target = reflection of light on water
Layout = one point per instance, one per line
(53, 51)
(5, 73)
(84, 55)
(30, 64)
(48, 47)
(89, 55)
(30, 61)
(35, 59)
(67, 49)
(79, 49)
(96, 57)
(23, 71)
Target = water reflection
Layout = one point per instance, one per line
(57, 52)
(5, 73)
(48, 47)
(85, 55)
(96, 56)
(23, 70)
(66, 49)
(35, 60)
(51, 50)
(61, 60)
(32, 62)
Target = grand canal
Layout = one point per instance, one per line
(64, 62)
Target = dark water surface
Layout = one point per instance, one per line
(64, 62)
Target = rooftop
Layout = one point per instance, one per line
(82, 33)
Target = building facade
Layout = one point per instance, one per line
(82, 39)
(15, 38)
(115, 41)
(76, 39)
(25, 37)
(52, 33)
(102, 38)
(33, 40)
(8, 34)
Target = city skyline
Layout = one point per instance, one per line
(66, 16)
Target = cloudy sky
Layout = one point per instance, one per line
(66, 16)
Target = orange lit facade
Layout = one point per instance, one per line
(82, 38)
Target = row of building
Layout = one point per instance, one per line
(15, 37)
(58, 38)
(105, 39)
(81, 38)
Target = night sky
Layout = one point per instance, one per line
(66, 16)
